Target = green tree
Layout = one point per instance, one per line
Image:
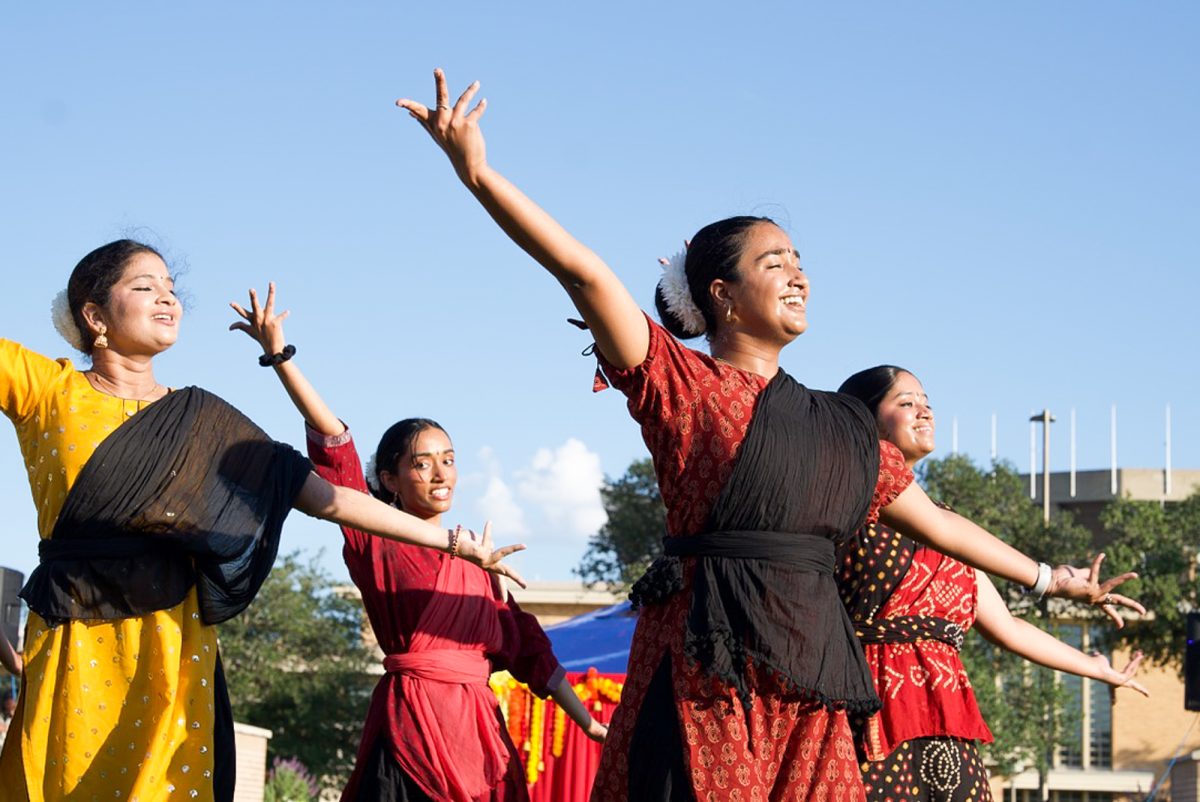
(1160, 542)
(632, 536)
(296, 664)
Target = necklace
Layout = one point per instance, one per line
(126, 410)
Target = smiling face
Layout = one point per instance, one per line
(905, 418)
(423, 483)
(142, 314)
(768, 299)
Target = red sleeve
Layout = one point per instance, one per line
(894, 478)
(664, 384)
(527, 653)
(335, 460)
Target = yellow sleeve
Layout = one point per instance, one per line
(24, 376)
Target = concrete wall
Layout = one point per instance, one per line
(251, 744)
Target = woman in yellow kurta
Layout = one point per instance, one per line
(125, 709)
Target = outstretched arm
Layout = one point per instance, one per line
(914, 514)
(356, 510)
(572, 705)
(263, 325)
(998, 625)
(606, 306)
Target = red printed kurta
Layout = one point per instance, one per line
(923, 685)
(446, 734)
(694, 412)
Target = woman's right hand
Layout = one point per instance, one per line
(455, 129)
(261, 323)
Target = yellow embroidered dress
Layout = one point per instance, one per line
(109, 710)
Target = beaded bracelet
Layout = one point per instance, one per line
(454, 533)
(271, 360)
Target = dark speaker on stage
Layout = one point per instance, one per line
(1191, 664)
(10, 605)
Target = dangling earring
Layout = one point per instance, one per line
(729, 314)
(101, 341)
(396, 502)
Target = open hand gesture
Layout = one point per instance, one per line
(1120, 679)
(480, 550)
(261, 323)
(454, 128)
(1084, 585)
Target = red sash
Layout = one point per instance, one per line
(442, 718)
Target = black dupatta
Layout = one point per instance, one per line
(763, 589)
(188, 492)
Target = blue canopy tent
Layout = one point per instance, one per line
(599, 639)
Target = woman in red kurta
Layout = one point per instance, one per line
(910, 606)
(434, 729)
(742, 709)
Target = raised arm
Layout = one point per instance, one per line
(606, 306)
(914, 514)
(356, 510)
(262, 324)
(998, 625)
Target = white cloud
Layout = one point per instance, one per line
(497, 504)
(565, 484)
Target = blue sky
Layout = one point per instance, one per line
(1003, 198)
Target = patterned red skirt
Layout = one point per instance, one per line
(784, 748)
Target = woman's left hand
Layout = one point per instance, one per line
(479, 550)
(261, 323)
(1120, 679)
(596, 731)
(454, 128)
(1084, 585)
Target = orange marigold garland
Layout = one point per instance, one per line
(526, 715)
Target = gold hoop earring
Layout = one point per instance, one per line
(729, 314)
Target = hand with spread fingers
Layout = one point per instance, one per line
(1084, 585)
(479, 550)
(454, 128)
(260, 322)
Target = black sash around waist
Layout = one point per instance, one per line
(805, 552)
(188, 493)
(910, 629)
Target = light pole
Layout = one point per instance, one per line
(1045, 418)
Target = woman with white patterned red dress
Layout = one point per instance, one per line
(910, 606)
(743, 664)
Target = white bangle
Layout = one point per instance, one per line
(1043, 582)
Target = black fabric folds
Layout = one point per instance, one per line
(762, 584)
(865, 591)
(188, 492)
(912, 628)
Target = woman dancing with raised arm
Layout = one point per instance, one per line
(434, 730)
(159, 514)
(910, 606)
(744, 664)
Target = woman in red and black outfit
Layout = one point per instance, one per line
(744, 664)
(434, 730)
(910, 606)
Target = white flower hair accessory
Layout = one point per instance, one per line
(64, 321)
(372, 478)
(677, 296)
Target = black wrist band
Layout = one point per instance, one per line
(271, 360)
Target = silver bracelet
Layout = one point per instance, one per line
(1043, 582)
